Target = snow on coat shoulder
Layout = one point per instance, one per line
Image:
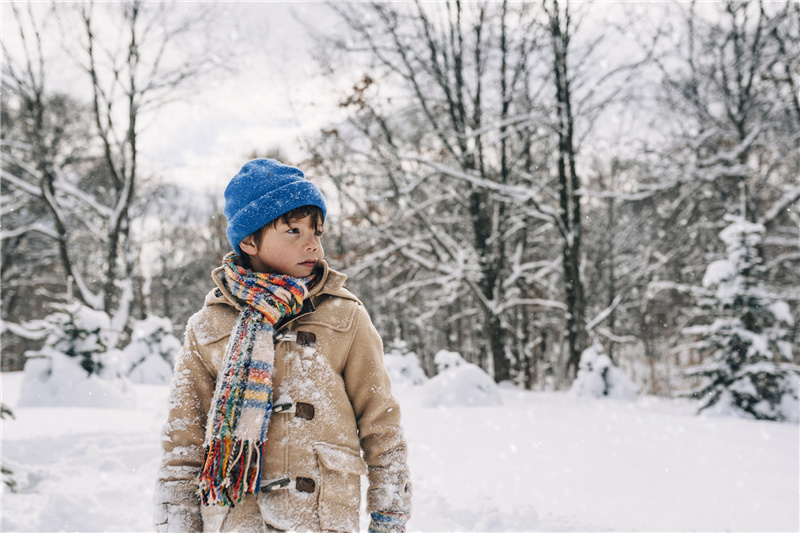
(459, 384)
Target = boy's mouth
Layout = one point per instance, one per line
(309, 263)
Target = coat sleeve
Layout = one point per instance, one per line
(177, 504)
(378, 416)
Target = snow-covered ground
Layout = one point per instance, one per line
(538, 462)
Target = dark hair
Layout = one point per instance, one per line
(317, 221)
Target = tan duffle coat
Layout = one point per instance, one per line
(332, 400)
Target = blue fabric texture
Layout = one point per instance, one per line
(263, 190)
(387, 522)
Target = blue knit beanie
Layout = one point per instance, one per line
(263, 190)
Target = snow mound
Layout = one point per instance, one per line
(153, 348)
(446, 360)
(404, 369)
(598, 377)
(54, 380)
(459, 384)
(152, 370)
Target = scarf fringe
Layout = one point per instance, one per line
(230, 469)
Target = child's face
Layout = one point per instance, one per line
(293, 250)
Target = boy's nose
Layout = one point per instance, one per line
(311, 244)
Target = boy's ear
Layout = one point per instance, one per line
(248, 246)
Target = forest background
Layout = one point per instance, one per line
(515, 182)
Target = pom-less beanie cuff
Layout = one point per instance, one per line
(263, 190)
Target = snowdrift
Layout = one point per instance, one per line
(459, 384)
(54, 380)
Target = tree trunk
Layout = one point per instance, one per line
(569, 185)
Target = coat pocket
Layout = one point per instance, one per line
(340, 471)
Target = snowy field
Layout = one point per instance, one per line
(539, 462)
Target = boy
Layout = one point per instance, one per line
(280, 385)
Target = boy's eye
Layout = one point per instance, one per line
(319, 233)
(292, 230)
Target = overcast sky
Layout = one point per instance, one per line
(274, 94)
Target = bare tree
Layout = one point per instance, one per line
(436, 190)
(133, 61)
(730, 148)
(40, 131)
(569, 184)
(466, 147)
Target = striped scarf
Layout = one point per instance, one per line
(237, 421)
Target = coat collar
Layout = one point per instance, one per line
(331, 283)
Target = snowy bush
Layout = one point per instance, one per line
(56, 381)
(75, 367)
(151, 353)
(459, 384)
(403, 366)
(79, 332)
(598, 377)
(748, 344)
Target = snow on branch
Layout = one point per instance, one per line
(65, 186)
(627, 339)
(655, 287)
(604, 313)
(544, 213)
(541, 302)
(788, 199)
(520, 270)
(732, 156)
(16, 144)
(510, 191)
(518, 122)
(375, 258)
(717, 172)
(95, 300)
(33, 331)
(788, 242)
(123, 202)
(25, 165)
(41, 228)
(506, 193)
(20, 184)
(780, 259)
(425, 263)
(645, 191)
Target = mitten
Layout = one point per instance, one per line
(387, 522)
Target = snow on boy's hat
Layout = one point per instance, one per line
(263, 190)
